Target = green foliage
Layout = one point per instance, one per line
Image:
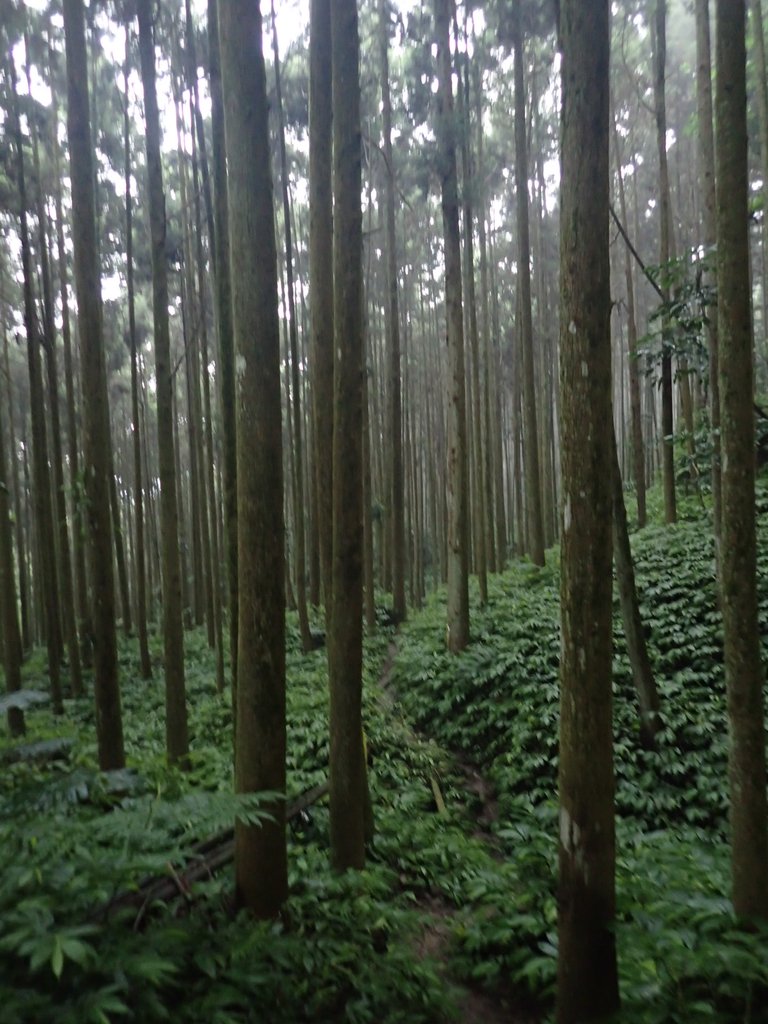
(682, 956)
(358, 947)
(72, 839)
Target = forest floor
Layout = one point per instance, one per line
(454, 918)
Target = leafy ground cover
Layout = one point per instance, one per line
(459, 893)
(355, 948)
(682, 958)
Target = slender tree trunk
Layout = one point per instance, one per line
(665, 254)
(474, 341)
(225, 332)
(261, 872)
(458, 532)
(59, 505)
(138, 491)
(530, 434)
(299, 513)
(321, 274)
(96, 466)
(176, 735)
(207, 457)
(21, 547)
(638, 447)
(11, 634)
(348, 782)
(42, 486)
(642, 673)
(744, 676)
(392, 322)
(587, 983)
(120, 562)
(82, 602)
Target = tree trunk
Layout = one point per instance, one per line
(478, 511)
(530, 434)
(665, 254)
(348, 782)
(109, 730)
(642, 673)
(42, 484)
(638, 447)
(261, 872)
(744, 675)
(138, 491)
(176, 736)
(82, 602)
(225, 332)
(11, 634)
(392, 323)
(299, 512)
(458, 556)
(59, 504)
(321, 275)
(587, 983)
(26, 639)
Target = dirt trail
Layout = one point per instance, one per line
(474, 1005)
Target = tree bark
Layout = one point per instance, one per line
(392, 324)
(348, 782)
(530, 434)
(665, 254)
(225, 331)
(321, 275)
(11, 634)
(176, 734)
(109, 730)
(457, 636)
(638, 446)
(145, 665)
(642, 673)
(587, 983)
(744, 676)
(261, 873)
(43, 508)
(299, 513)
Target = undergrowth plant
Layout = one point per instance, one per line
(682, 956)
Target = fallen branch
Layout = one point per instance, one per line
(203, 860)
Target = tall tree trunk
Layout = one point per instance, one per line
(530, 434)
(744, 676)
(138, 490)
(299, 512)
(207, 458)
(392, 323)
(225, 332)
(638, 447)
(59, 506)
(458, 532)
(665, 254)
(261, 872)
(11, 634)
(176, 734)
(348, 782)
(478, 511)
(44, 522)
(21, 548)
(587, 982)
(321, 274)
(82, 601)
(109, 730)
